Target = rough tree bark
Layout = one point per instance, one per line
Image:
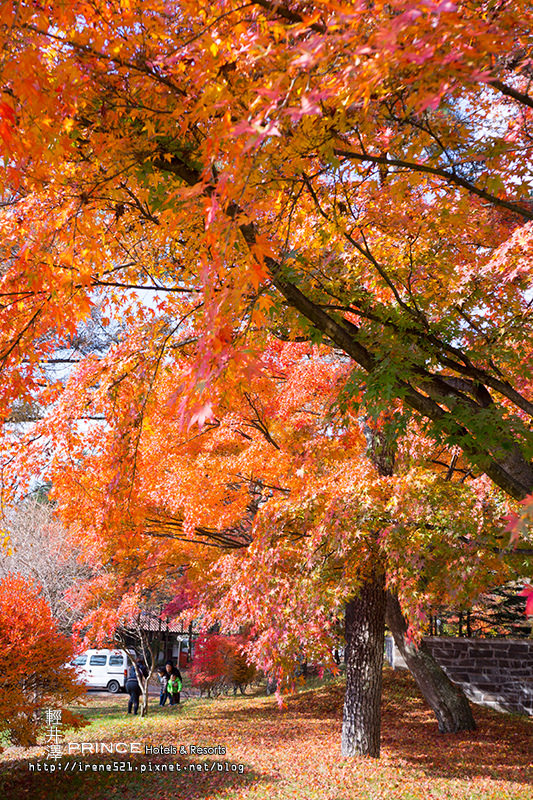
(364, 633)
(447, 700)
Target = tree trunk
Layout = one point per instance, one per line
(364, 632)
(144, 699)
(447, 700)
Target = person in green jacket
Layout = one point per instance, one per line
(175, 682)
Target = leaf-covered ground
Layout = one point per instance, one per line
(290, 754)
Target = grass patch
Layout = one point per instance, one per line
(286, 754)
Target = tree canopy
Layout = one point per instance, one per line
(368, 170)
(273, 512)
(206, 177)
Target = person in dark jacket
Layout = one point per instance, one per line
(163, 680)
(132, 686)
(175, 682)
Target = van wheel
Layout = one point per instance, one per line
(113, 687)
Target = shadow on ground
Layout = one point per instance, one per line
(306, 733)
(499, 749)
(128, 779)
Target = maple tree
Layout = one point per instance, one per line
(282, 480)
(35, 675)
(351, 172)
(218, 664)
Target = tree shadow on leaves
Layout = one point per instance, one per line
(121, 781)
(500, 749)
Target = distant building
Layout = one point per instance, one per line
(175, 643)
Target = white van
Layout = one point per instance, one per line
(103, 669)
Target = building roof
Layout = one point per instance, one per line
(150, 621)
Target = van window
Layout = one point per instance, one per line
(98, 661)
(79, 661)
(115, 661)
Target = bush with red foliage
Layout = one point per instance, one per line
(219, 664)
(33, 675)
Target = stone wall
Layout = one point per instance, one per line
(493, 672)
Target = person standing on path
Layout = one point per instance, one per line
(132, 686)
